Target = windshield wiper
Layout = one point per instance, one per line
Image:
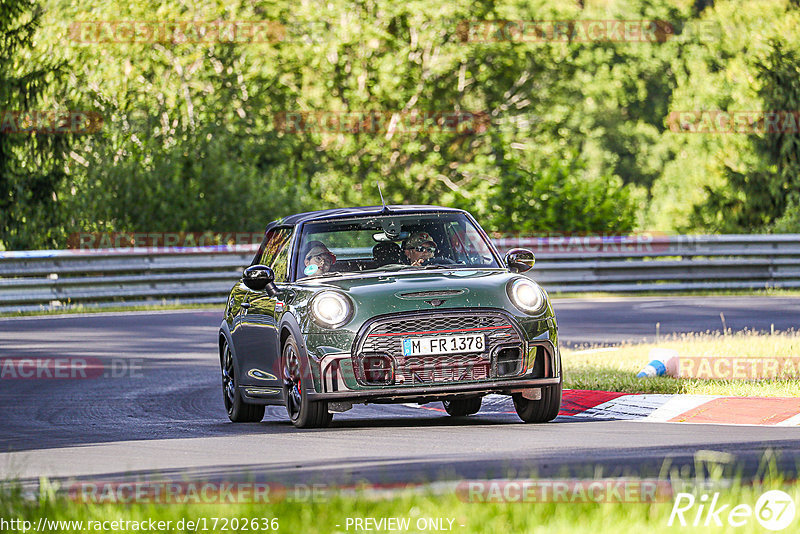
(386, 268)
(325, 275)
(432, 266)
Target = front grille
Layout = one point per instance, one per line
(446, 368)
(385, 336)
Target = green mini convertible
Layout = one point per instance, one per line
(386, 304)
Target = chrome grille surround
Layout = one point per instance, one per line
(384, 334)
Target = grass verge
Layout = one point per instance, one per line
(615, 368)
(571, 512)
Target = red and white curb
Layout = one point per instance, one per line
(701, 409)
(714, 409)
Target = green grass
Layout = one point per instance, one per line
(615, 368)
(323, 515)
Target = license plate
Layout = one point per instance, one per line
(424, 346)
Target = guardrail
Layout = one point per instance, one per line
(45, 279)
(656, 263)
(32, 280)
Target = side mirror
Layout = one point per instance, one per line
(519, 260)
(259, 278)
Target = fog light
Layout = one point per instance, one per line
(507, 362)
(378, 369)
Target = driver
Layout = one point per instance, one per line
(419, 248)
(318, 259)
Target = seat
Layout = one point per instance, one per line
(387, 253)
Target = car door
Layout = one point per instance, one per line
(256, 336)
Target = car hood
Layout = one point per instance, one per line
(419, 279)
(377, 294)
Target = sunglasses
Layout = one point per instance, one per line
(320, 257)
(432, 250)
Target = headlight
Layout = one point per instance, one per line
(526, 295)
(331, 309)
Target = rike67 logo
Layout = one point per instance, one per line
(774, 510)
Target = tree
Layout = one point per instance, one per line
(758, 195)
(556, 196)
(32, 165)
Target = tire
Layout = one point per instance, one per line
(542, 410)
(463, 407)
(302, 412)
(238, 410)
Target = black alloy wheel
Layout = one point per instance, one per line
(238, 410)
(303, 412)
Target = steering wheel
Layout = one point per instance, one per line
(478, 259)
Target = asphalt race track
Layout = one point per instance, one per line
(156, 407)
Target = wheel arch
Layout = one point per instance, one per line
(289, 326)
(221, 342)
(223, 336)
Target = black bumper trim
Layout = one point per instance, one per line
(495, 386)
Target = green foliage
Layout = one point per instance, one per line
(755, 197)
(789, 222)
(31, 165)
(210, 155)
(557, 196)
(572, 136)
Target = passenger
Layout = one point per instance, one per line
(318, 259)
(419, 248)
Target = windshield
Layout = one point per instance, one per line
(391, 243)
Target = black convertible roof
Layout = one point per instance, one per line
(340, 213)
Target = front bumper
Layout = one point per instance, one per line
(435, 391)
(338, 375)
